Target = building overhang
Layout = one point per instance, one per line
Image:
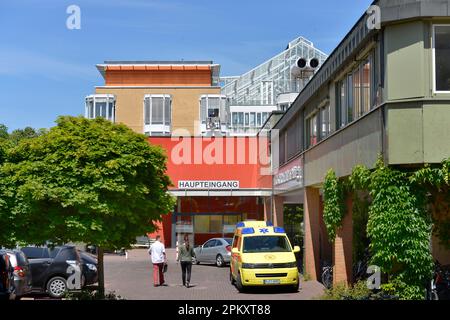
(222, 193)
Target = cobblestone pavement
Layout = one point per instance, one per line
(132, 279)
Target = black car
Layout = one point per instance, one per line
(89, 267)
(7, 289)
(51, 268)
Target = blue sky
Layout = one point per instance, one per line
(46, 70)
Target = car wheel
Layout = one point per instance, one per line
(239, 284)
(219, 261)
(194, 260)
(57, 287)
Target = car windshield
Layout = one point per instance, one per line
(266, 244)
(228, 240)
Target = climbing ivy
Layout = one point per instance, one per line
(399, 229)
(334, 209)
(403, 206)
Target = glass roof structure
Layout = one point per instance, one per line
(263, 84)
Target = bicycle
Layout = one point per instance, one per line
(327, 276)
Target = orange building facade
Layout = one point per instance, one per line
(218, 180)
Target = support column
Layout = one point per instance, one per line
(267, 209)
(278, 206)
(312, 229)
(343, 248)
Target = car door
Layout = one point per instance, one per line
(211, 250)
(40, 261)
(234, 264)
(203, 251)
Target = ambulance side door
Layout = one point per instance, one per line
(234, 265)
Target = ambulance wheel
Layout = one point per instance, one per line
(295, 287)
(239, 284)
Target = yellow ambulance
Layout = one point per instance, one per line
(262, 255)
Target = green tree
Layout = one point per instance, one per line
(88, 181)
(3, 131)
(19, 134)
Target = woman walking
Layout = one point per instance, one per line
(185, 254)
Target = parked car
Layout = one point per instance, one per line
(7, 288)
(49, 268)
(142, 242)
(89, 262)
(216, 250)
(22, 272)
(93, 250)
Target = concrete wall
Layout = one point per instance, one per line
(360, 143)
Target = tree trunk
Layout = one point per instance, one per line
(101, 273)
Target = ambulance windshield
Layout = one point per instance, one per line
(266, 244)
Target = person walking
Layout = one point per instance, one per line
(158, 254)
(185, 254)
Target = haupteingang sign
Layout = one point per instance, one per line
(208, 184)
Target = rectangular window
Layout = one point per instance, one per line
(342, 102)
(167, 112)
(241, 118)
(234, 117)
(258, 119)
(246, 119)
(357, 94)
(366, 85)
(325, 121)
(157, 110)
(311, 127)
(441, 47)
(252, 119)
(350, 102)
(203, 110)
(147, 111)
(91, 110)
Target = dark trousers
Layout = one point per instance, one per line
(186, 268)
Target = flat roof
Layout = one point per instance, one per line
(215, 68)
(158, 62)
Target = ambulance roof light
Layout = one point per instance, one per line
(248, 230)
(278, 230)
(240, 225)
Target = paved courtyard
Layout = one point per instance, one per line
(132, 279)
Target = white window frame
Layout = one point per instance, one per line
(159, 128)
(102, 98)
(433, 43)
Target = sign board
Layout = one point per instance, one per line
(290, 175)
(208, 184)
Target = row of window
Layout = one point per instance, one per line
(355, 93)
(249, 119)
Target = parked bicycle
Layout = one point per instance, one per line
(439, 286)
(360, 268)
(327, 275)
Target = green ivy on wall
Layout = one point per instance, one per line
(334, 208)
(404, 206)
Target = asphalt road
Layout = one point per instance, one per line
(132, 279)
